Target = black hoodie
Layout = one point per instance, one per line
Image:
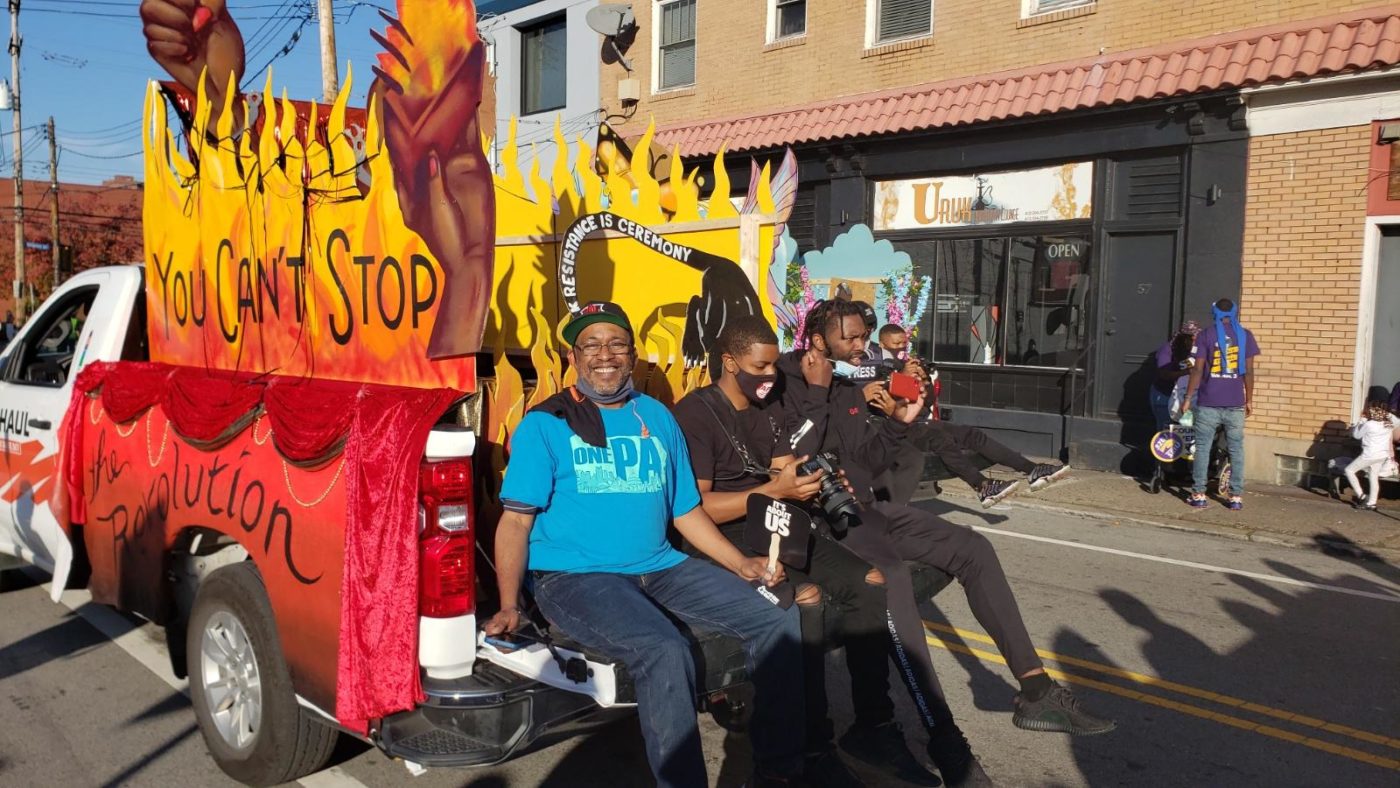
(840, 424)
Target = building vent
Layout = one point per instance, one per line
(1154, 189)
(802, 223)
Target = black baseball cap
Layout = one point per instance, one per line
(596, 312)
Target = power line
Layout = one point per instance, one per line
(97, 156)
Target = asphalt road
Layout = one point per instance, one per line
(1225, 663)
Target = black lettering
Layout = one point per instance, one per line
(164, 274)
(214, 470)
(364, 261)
(230, 337)
(390, 264)
(198, 318)
(279, 511)
(182, 296)
(341, 337)
(269, 287)
(297, 264)
(246, 303)
(251, 524)
(421, 305)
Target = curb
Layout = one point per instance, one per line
(1359, 552)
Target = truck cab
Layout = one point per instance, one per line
(97, 315)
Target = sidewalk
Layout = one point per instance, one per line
(1281, 515)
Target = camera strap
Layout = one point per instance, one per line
(716, 403)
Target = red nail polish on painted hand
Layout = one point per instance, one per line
(202, 17)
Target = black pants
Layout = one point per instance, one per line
(954, 443)
(903, 533)
(860, 618)
(901, 481)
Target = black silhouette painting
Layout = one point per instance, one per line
(725, 291)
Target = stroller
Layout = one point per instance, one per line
(1174, 449)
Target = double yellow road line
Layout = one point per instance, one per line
(962, 637)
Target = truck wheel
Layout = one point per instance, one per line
(241, 689)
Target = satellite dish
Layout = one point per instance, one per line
(610, 19)
(614, 21)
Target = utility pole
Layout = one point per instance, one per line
(20, 278)
(330, 73)
(53, 207)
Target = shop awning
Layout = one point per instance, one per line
(1355, 41)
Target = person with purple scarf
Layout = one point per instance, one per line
(1223, 387)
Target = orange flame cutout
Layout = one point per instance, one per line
(428, 41)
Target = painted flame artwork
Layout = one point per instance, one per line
(394, 252)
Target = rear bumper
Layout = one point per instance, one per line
(486, 718)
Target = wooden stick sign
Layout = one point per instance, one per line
(781, 531)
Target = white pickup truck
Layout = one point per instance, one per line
(260, 645)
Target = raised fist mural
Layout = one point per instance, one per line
(427, 90)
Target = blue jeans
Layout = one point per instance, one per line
(1207, 420)
(623, 617)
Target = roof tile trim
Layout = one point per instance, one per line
(1349, 42)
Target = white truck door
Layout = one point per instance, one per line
(84, 321)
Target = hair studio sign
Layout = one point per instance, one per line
(1046, 194)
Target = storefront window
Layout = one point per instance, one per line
(1005, 301)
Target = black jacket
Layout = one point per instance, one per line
(840, 424)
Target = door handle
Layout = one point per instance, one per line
(40, 424)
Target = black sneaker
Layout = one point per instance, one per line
(883, 747)
(993, 490)
(1044, 474)
(949, 751)
(827, 770)
(1058, 712)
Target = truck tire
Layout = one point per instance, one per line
(241, 689)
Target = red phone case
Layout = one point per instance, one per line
(906, 387)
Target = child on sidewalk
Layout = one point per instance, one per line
(1376, 433)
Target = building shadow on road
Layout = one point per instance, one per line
(1296, 664)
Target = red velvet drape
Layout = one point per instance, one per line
(384, 430)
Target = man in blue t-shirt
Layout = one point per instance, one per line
(1222, 382)
(596, 474)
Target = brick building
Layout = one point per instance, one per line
(97, 225)
(1074, 178)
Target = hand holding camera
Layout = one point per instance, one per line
(789, 485)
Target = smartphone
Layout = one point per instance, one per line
(905, 387)
(506, 642)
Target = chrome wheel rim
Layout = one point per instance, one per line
(230, 681)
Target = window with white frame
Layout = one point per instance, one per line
(1031, 8)
(894, 20)
(675, 44)
(786, 19)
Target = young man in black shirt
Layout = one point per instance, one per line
(739, 446)
(837, 409)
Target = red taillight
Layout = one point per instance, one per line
(937, 390)
(446, 540)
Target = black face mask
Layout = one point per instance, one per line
(755, 387)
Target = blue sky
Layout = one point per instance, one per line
(84, 62)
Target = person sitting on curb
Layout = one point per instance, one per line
(596, 474)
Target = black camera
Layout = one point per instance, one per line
(833, 497)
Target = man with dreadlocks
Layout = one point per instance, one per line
(830, 412)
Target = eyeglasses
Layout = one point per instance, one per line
(615, 348)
